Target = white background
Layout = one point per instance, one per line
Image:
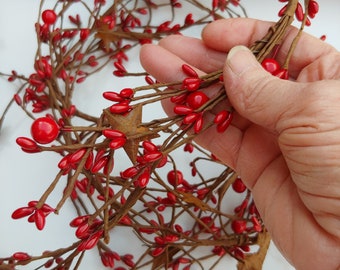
(24, 177)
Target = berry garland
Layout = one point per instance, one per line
(120, 170)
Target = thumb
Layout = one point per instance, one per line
(254, 93)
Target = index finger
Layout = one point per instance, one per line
(222, 35)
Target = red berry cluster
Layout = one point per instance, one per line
(36, 213)
(119, 169)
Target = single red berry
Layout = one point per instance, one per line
(153, 156)
(282, 11)
(198, 124)
(175, 177)
(191, 118)
(239, 226)
(21, 256)
(150, 147)
(39, 219)
(182, 110)
(126, 93)
(129, 172)
(44, 130)
(113, 96)
(80, 220)
(221, 127)
(239, 186)
(299, 12)
(22, 212)
(179, 99)
(188, 148)
(188, 70)
(113, 134)
(99, 164)
(282, 74)
(191, 84)
(271, 65)
(48, 16)
(189, 20)
(196, 99)
(256, 224)
(143, 179)
(90, 242)
(27, 143)
(157, 251)
(84, 34)
(221, 116)
(313, 8)
(117, 142)
(120, 108)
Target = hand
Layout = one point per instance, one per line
(284, 140)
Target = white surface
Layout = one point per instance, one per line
(24, 177)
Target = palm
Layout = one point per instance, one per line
(259, 154)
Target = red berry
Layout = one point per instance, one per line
(21, 256)
(150, 147)
(84, 34)
(207, 220)
(126, 93)
(196, 99)
(143, 179)
(48, 16)
(175, 177)
(271, 65)
(239, 186)
(188, 70)
(313, 8)
(113, 134)
(27, 143)
(113, 96)
(282, 74)
(22, 212)
(239, 226)
(39, 219)
(191, 84)
(44, 130)
(182, 110)
(117, 142)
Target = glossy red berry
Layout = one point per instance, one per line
(313, 8)
(22, 212)
(21, 256)
(44, 130)
(271, 65)
(39, 219)
(188, 70)
(182, 110)
(196, 99)
(282, 74)
(191, 84)
(48, 16)
(143, 179)
(239, 186)
(175, 177)
(239, 226)
(27, 143)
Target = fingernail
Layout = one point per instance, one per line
(240, 59)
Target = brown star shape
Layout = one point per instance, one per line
(131, 125)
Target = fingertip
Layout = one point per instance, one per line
(239, 61)
(144, 52)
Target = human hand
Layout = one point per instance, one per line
(284, 140)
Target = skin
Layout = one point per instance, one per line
(284, 140)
